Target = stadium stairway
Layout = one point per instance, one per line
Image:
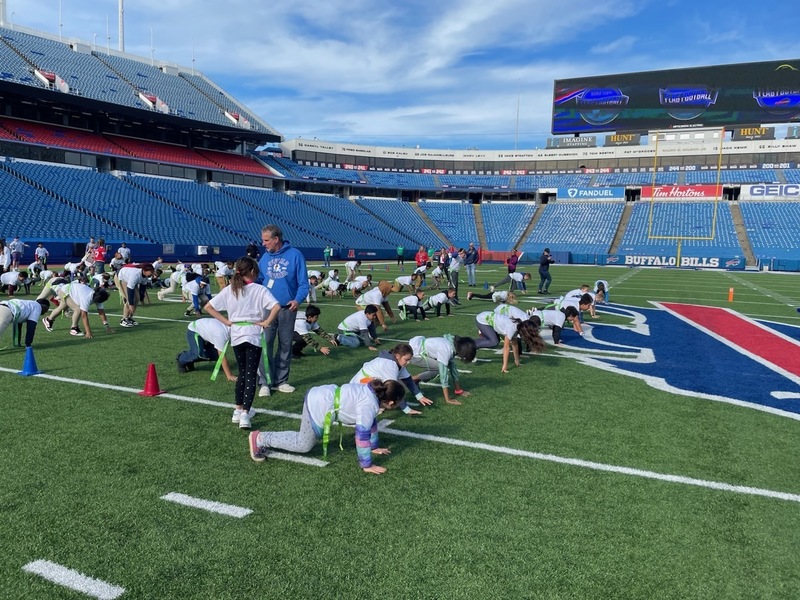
(377, 217)
(741, 233)
(434, 229)
(535, 219)
(482, 241)
(623, 226)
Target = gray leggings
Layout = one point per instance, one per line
(294, 441)
(431, 366)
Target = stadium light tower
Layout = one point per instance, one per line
(122, 25)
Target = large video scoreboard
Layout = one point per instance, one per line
(726, 95)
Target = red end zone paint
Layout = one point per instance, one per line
(742, 332)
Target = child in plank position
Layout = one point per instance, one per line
(441, 299)
(389, 365)
(207, 338)
(491, 326)
(437, 355)
(412, 304)
(359, 329)
(350, 404)
(305, 325)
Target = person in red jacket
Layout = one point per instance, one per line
(421, 257)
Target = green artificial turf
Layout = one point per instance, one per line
(457, 515)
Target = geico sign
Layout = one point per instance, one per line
(789, 189)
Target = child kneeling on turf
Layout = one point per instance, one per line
(350, 404)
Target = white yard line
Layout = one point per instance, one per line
(73, 580)
(209, 505)
(576, 462)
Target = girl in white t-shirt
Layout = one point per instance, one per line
(250, 309)
(492, 325)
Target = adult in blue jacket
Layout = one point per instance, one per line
(284, 273)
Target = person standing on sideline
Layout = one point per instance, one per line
(125, 253)
(401, 259)
(470, 261)
(512, 261)
(17, 247)
(545, 260)
(285, 275)
(456, 260)
(326, 255)
(41, 255)
(421, 257)
(100, 256)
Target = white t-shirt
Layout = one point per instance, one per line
(437, 299)
(131, 276)
(412, 300)
(212, 331)
(10, 278)
(381, 368)
(23, 310)
(373, 296)
(80, 293)
(195, 287)
(356, 322)
(253, 304)
(438, 348)
(302, 326)
(549, 318)
(405, 280)
(351, 265)
(501, 324)
(509, 310)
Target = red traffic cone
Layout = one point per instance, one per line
(151, 383)
(29, 366)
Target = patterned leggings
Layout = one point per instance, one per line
(248, 358)
(294, 441)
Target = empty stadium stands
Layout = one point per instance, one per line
(646, 231)
(773, 228)
(456, 220)
(505, 222)
(579, 227)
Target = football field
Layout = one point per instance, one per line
(655, 457)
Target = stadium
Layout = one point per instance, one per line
(652, 457)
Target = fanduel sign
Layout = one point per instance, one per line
(605, 193)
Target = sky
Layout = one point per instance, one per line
(449, 74)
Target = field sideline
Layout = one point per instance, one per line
(557, 480)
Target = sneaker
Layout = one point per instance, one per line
(255, 451)
(285, 388)
(133, 323)
(126, 323)
(263, 391)
(244, 420)
(491, 288)
(48, 324)
(76, 332)
(237, 414)
(182, 368)
(470, 295)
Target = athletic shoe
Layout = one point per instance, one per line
(244, 420)
(491, 288)
(126, 323)
(470, 295)
(237, 414)
(132, 322)
(48, 324)
(285, 388)
(255, 451)
(263, 391)
(181, 367)
(76, 332)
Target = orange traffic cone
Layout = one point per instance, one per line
(151, 383)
